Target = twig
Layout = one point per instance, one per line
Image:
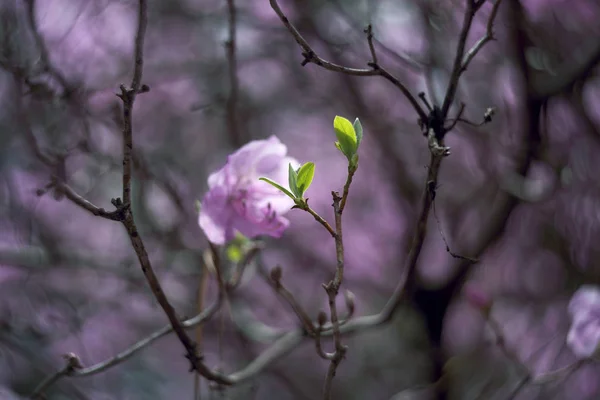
(332, 288)
(202, 286)
(304, 206)
(275, 281)
(140, 345)
(85, 204)
(458, 117)
(527, 376)
(311, 57)
(351, 172)
(369, 32)
(437, 220)
(460, 61)
(489, 36)
(72, 365)
(230, 45)
(248, 257)
(128, 96)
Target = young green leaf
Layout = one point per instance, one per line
(305, 177)
(293, 181)
(359, 131)
(346, 136)
(278, 186)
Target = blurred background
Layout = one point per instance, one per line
(520, 194)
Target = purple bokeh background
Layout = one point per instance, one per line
(70, 282)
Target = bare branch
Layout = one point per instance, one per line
(489, 36)
(311, 57)
(460, 63)
(274, 280)
(304, 206)
(132, 350)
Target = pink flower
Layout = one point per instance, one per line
(584, 308)
(238, 202)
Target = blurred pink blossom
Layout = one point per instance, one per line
(584, 308)
(238, 202)
(478, 297)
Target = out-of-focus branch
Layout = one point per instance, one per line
(311, 57)
(275, 281)
(232, 99)
(73, 364)
(460, 60)
(102, 366)
(527, 375)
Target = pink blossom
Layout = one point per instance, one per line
(238, 202)
(584, 308)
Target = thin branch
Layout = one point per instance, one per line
(311, 57)
(72, 364)
(232, 99)
(202, 287)
(246, 260)
(461, 61)
(369, 32)
(489, 36)
(130, 351)
(85, 204)
(304, 206)
(458, 118)
(351, 172)
(274, 280)
(332, 288)
(128, 96)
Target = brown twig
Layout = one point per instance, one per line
(332, 289)
(311, 57)
(369, 32)
(274, 280)
(304, 206)
(351, 172)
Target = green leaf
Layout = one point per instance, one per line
(359, 131)
(293, 181)
(305, 177)
(346, 136)
(278, 186)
